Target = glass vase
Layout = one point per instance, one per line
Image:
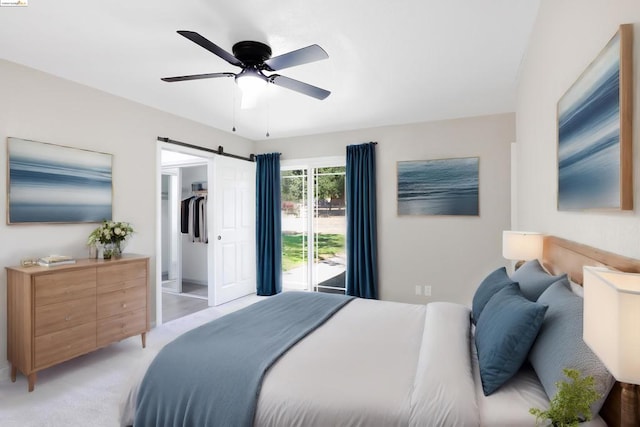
(113, 249)
(118, 246)
(108, 250)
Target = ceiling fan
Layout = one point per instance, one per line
(254, 58)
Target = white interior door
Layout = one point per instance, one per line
(233, 271)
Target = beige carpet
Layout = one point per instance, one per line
(86, 391)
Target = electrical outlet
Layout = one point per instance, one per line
(427, 290)
(418, 290)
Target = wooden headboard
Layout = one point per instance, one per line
(564, 256)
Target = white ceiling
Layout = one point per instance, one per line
(389, 62)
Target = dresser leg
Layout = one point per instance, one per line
(144, 339)
(32, 381)
(14, 373)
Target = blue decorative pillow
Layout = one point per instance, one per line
(560, 345)
(487, 288)
(507, 328)
(533, 279)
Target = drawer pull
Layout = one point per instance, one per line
(67, 318)
(124, 305)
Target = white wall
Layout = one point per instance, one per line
(567, 36)
(452, 254)
(41, 107)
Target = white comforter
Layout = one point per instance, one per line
(380, 363)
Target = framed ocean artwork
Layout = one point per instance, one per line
(439, 187)
(595, 133)
(50, 183)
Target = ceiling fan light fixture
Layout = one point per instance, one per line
(251, 81)
(248, 100)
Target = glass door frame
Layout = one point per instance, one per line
(310, 164)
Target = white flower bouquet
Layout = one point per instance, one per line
(111, 235)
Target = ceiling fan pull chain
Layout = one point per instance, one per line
(268, 105)
(234, 109)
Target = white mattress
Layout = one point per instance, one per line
(378, 363)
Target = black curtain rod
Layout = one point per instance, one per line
(220, 150)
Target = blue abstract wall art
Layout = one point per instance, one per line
(54, 184)
(590, 147)
(439, 187)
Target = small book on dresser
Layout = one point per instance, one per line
(51, 260)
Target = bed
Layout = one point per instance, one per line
(376, 363)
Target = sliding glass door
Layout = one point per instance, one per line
(295, 229)
(329, 230)
(313, 227)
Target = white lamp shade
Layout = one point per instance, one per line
(612, 320)
(521, 245)
(251, 84)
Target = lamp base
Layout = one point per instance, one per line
(629, 406)
(519, 264)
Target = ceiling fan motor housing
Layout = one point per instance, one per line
(251, 53)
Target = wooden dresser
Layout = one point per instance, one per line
(57, 313)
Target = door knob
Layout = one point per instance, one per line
(219, 237)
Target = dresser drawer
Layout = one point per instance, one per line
(117, 275)
(64, 285)
(122, 301)
(121, 326)
(56, 317)
(63, 345)
(110, 287)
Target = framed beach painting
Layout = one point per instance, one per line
(50, 183)
(439, 187)
(594, 132)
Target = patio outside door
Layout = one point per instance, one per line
(313, 228)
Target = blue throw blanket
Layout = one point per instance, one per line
(212, 375)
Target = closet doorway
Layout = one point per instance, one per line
(184, 260)
(212, 260)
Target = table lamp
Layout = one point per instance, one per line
(612, 330)
(521, 246)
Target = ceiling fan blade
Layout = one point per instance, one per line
(196, 77)
(297, 57)
(299, 86)
(211, 47)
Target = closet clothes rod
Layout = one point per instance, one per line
(220, 150)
